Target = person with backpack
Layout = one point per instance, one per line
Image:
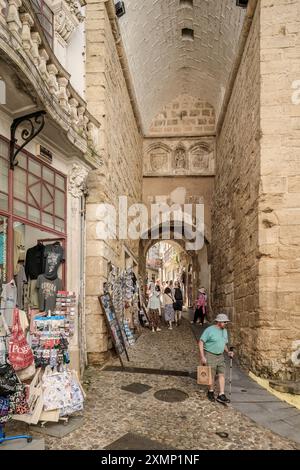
(200, 309)
(178, 303)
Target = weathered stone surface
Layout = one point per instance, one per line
(257, 233)
(235, 209)
(121, 175)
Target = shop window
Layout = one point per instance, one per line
(3, 202)
(36, 253)
(48, 175)
(20, 184)
(47, 219)
(22, 161)
(34, 167)
(60, 182)
(19, 208)
(47, 196)
(59, 204)
(33, 214)
(59, 224)
(39, 194)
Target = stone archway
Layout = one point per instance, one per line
(198, 259)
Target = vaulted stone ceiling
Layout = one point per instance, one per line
(164, 65)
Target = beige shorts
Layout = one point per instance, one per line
(216, 362)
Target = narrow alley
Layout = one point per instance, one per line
(120, 419)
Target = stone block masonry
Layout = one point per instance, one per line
(279, 201)
(235, 208)
(121, 147)
(256, 245)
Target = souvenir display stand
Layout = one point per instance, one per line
(113, 325)
(121, 304)
(37, 322)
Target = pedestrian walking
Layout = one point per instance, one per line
(158, 289)
(153, 306)
(212, 344)
(178, 295)
(168, 307)
(200, 306)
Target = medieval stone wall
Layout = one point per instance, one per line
(256, 217)
(235, 208)
(185, 115)
(121, 175)
(279, 203)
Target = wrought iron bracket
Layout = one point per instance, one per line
(33, 123)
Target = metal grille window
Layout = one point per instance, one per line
(39, 194)
(45, 17)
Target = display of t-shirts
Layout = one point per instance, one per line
(34, 264)
(19, 248)
(20, 279)
(47, 290)
(8, 301)
(54, 255)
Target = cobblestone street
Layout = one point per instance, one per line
(111, 412)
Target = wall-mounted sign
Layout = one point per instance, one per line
(44, 153)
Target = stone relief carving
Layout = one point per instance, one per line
(158, 159)
(77, 180)
(180, 158)
(200, 157)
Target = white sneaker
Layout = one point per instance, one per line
(192, 321)
(153, 330)
(158, 329)
(170, 328)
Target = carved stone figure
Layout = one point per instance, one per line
(180, 158)
(77, 180)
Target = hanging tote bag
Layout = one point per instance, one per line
(34, 400)
(8, 380)
(56, 389)
(77, 397)
(19, 352)
(18, 401)
(26, 374)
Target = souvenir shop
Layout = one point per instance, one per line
(37, 313)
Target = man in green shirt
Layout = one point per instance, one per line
(212, 344)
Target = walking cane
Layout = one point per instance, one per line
(230, 373)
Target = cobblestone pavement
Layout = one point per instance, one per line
(111, 412)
